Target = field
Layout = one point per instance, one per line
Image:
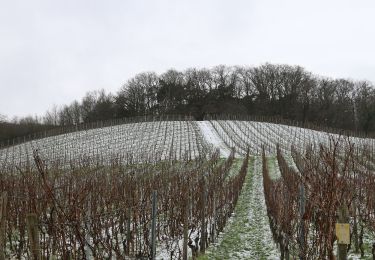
(215, 189)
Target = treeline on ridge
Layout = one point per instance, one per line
(288, 92)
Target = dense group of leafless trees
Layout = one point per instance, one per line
(285, 91)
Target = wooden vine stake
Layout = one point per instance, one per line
(186, 229)
(203, 219)
(128, 233)
(215, 218)
(88, 251)
(33, 233)
(301, 235)
(3, 210)
(153, 226)
(342, 232)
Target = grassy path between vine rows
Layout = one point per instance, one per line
(247, 234)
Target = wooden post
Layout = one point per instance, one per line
(215, 218)
(186, 228)
(128, 234)
(3, 214)
(33, 234)
(355, 229)
(203, 226)
(343, 218)
(153, 228)
(88, 252)
(301, 235)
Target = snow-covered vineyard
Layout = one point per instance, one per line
(215, 189)
(255, 135)
(126, 143)
(163, 140)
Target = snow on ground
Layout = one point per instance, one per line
(211, 137)
(247, 234)
(160, 140)
(144, 141)
(273, 168)
(254, 135)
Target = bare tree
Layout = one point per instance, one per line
(51, 117)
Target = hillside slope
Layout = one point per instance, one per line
(160, 140)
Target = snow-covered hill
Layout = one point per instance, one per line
(126, 143)
(160, 140)
(254, 135)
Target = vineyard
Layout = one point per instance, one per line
(179, 189)
(143, 142)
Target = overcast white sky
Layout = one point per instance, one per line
(52, 52)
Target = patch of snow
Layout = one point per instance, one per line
(211, 137)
